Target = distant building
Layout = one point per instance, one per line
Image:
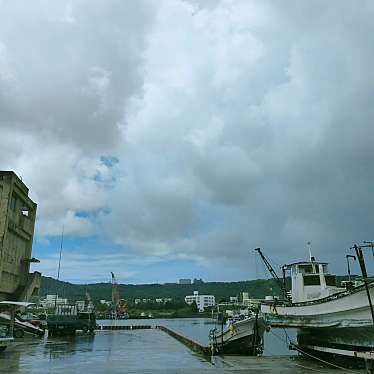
(105, 302)
(159, 301)
(137, 301)
(202, 301)
(51, 301)
(233, 299)
(80, 304)
(252, 303)
(245, 296)
(17, 219)
(198, 281)
(185, 281)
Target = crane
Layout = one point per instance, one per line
(281, 284)
(115, 295)
(119, 305)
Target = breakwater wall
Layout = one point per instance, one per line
(121, 327)
(193, 345)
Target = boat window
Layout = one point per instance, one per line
(306, 269)
(330, 280)
(312, 280)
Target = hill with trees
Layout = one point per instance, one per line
(221, 290)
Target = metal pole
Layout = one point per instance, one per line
(361, 261)
(222, 333)
(284, 268)
(59, 262)
(349, 269)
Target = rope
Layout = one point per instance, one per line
(311, 369)
(312, 356)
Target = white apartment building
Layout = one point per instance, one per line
(202, 301)
(52, 300)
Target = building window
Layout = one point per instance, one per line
(13, 202)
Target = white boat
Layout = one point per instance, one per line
(316, 301)
(241, 334)
(331, 320)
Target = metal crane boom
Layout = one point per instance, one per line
(272, 271)
(115, 292)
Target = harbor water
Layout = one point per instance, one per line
(276, 342)
(146, 351)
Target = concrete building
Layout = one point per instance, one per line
(80, 304)
(234, 299)
(17, 219)
(202, 301)
(50, 301)
(185, 281)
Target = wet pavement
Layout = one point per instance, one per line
(137, 351)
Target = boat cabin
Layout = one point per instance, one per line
(311, 280)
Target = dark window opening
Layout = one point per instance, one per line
(330, 280)
(312, 280)
(13, 202)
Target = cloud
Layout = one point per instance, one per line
(235, 124)
(68, 71)
(260, 121)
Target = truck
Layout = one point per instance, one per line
(67, 319)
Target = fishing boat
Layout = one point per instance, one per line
(330, 319)
(239, 334)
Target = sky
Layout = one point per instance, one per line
(171, 138)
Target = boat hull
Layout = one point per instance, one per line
(349, 347)
(345, 309)
(242, 338)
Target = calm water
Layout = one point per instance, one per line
(141, 351)
(198, 330)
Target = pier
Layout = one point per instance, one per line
(125, 327)
(188, 342)
(143, 349)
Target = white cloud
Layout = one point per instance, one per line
(237, 123)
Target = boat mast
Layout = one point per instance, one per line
(273, 273)
(59, 263)
(361, 261)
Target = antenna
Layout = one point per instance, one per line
(310, 251)
(59, 263)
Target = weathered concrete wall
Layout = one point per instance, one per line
(17, 220)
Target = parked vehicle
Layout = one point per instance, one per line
(67, 320)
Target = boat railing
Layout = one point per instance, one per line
(335, 296)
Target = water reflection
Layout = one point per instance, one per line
(62, 347)
(104, 352)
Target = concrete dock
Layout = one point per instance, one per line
(138, 351)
